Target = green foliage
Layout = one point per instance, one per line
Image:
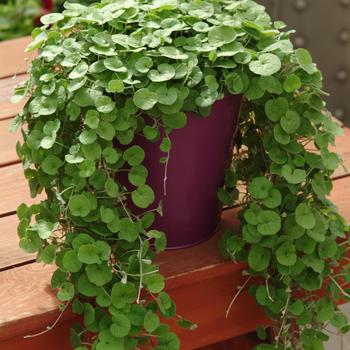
(101, 70)
(17, 17)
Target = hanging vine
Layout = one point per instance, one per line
(100, 70)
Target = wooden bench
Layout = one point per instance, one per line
(201, 283)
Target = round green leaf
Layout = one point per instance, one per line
(110, 155)
(327, 249)
(259, 258)
(144, 64)
(89, 254)
(104, 104)
(154, 282)
(99, 274)
(274, 199)
(304, 59)
(251, 214)
(51, 165)
(134, 155)
(138, 175)
(114, 64)
(172, 52)
(167, 96)
(86, 168)
(290, 122)
(151, 321)
(280, 135)
(220, 35)
(66, 292)
(276, 109)
(145, 99)
(71, 262)
(175, 121)
(109, 342)
(123, 294)
(292, 83)
(79, 205)
(164, 72)
(111, 188)
(260, 187)
(267, 64)
(121, 326)
(128, 230)
(305, 217)
(143, 196)
(269, 223)
(92, 119)
(79, 71)
(286, 254)
(115, 85)
(51, 18)
(295, 176)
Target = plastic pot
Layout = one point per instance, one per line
(199, 156)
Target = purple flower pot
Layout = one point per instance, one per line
(199, 156)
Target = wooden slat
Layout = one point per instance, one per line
(181, 267)
(10, 252)
(8, 143)
(13, 60)
(7, 88)
(343, 148)
(11, 255)
(203, 259)
(14, 189)
(189, 272)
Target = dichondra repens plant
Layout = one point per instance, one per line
(100, 71)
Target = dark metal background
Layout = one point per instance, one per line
(323, 27)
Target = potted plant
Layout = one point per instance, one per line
(110, 84)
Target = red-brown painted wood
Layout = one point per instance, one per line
(13, 60)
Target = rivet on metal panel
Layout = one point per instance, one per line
(301, 5)
(300, 41)
(340, 113)
(345, 3)
(344, 36)
(342, 75)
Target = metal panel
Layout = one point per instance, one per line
(323, 27)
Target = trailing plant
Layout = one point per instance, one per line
(100, 70)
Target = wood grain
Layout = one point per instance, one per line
(189, 272)
(13, 59)
(14, 189)
(180, 267)
(10, 253)
(8, 152)
(7, 88)
(8, 143)
(342, 147)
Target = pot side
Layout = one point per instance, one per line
(199, 156)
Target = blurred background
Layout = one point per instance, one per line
(322, 26)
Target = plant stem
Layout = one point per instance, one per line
(141, 273)
(339, 287)
(48, 328)
(166, 169)
(240, 289)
